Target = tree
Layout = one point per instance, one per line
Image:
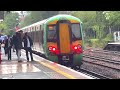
(47, 14)
(87, 17)
(2, 27)
(10, 21)
(35, 16)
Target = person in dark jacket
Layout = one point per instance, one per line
(17, 42)
(4, 41)
(8, 45)
(28, 43)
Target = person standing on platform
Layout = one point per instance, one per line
(17, 42)
(8, 45)
(4, 41)
(28, 43)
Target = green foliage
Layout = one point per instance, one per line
(47, 14)
(27, 21)
(95, 20)
(88, 43)
(11, 20)
(35, 16)
(99, 43)
(87, 17)
(108, 38)
(113, 17)
(9, 23)
(3, 26)
(95, 42)
(84, 15)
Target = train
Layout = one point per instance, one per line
(59, 38)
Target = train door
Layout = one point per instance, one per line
(64, 38)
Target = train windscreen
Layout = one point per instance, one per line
(76, 32)
(52, 35)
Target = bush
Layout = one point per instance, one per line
(108, 38)
(99, 43)
(88, 43)
(96, 43)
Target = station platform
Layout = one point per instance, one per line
(40, 68)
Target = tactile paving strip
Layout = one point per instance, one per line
(52, 74)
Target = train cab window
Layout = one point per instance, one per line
(76, 32)
(52, 35)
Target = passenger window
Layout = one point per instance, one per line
(42, 37)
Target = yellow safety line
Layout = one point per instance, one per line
(57, 70)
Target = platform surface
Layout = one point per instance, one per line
(40, 68)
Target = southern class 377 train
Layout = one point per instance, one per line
(60, 38)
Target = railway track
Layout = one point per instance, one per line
(102, 59)
(96, 62)
(105, 54)
(96, 56)
(93, 74)
(100, 72)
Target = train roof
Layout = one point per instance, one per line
(37, 23)
(56, 17)
(63, 16)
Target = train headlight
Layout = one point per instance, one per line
(50, 48)
(77, 49)
(53, 50)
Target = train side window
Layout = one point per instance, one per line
(42, 37)
(76, 32)
(40, 27)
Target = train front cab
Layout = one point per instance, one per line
(64, 42)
